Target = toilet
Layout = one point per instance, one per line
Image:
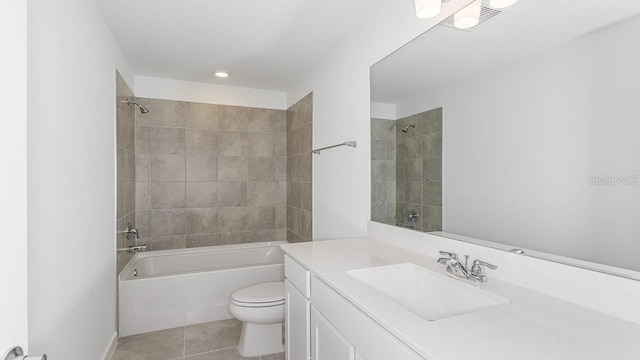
(260, 307)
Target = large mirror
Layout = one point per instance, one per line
(523, 132)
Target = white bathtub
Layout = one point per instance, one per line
(171, 288)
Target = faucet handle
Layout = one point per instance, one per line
(449, 254)
(481, 263)
(477, 270)
(445, 260)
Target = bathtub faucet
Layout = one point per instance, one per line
(130, 231)
(136, 248)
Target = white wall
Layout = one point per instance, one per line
(341, 112)
(71, 179)
(178, 90)
(13, 174)
(520, 144)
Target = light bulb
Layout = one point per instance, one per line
(426, 9)
(469, 16)
(221, 74)
(499, 4)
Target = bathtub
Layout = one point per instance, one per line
(171, 288)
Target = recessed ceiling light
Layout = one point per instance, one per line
(221, 74)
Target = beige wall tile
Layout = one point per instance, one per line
(281, 169)
(201, 221)
(261, 168)
(167, 242)
(143, 167)
(261, 144)
(143, 140)
(261, 120)
(232, 238)
(231, 118)
(232, 143)
(202, 194)
(143, 195)
(261, 235)
(232, 219)
(203, 167)
(202, 240)
(200, 115)
(232, 193)
(261, 193)
(261, 217)
(199, 141)
(232, 168)
(167, 222)
(166, 113)
(168, 167)
(280, 140)
(281, 217)
(165, 140)
(168, 195)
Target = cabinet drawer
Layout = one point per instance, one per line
(298, 275)
(371, 340)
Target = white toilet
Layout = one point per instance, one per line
(260, 307)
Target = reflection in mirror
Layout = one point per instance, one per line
(537, 123)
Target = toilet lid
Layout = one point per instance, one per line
(262, 293)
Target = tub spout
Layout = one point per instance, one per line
(137, 248)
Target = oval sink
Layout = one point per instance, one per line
(425, 293)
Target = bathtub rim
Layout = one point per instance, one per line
(195, 250)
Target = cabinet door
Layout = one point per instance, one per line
(297, 323)
(326, 342)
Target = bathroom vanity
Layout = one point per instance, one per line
(362, 298)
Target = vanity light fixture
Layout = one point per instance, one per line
(426, 9)
(469, 16)
(221, 74)
(499, 4)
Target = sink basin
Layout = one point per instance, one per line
(425, 293)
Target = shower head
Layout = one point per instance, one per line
(404, 130)
(143, 109)
(132, 101)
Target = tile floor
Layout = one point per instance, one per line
(208, 341)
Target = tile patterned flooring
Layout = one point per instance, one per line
(215, 340)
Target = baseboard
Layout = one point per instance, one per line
(112, 346)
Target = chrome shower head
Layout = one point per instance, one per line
(132, 101)
(407, 128)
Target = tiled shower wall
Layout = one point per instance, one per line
(419, 170)
(406, 171)
(209, 174)
(383, 171)
(125, 159)
(299, 170)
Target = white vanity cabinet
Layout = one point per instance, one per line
(297, 311)
(322, 325)
(326, 342)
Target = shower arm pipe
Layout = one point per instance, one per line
(346, 143)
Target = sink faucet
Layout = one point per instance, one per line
(462, 271)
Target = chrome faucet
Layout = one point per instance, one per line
(462, 271)
(131, 232)
(135, 248)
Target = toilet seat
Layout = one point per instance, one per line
(259, 295)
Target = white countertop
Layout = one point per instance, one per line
(531, 326)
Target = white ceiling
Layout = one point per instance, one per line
(262, 44)
(444, 56)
